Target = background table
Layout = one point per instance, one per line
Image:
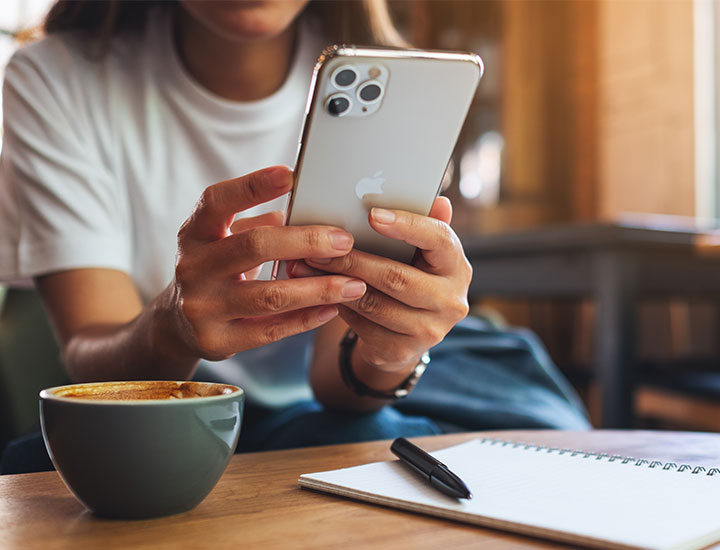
(615, 265)
(257, 503)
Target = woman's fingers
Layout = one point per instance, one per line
(256, 245)
(406, 308)
(247, 314)
(219, 203)
(258, 331)
(271, 218)
(298, 268)
(400, 281)
(261, 298)
(394, 315)
(440, 245)
(404, 311)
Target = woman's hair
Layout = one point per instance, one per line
(365, 22)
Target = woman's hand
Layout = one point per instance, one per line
(407, 308)
(219, 309)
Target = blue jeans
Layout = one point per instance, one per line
(480, 378)
(301, 425)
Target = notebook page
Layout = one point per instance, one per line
(550, 493)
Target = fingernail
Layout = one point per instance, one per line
(322, 261)
(327, 313)
(341, 240)
(300, 269)
(383, 216)
(353, 289)
(280, 177)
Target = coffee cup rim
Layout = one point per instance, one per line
(48, 394)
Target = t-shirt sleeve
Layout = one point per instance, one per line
(61, 207)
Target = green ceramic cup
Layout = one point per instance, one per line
(141, 449)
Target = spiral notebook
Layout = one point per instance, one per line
(588, 499)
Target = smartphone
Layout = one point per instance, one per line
(380, 127)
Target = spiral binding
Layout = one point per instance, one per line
(670, 466)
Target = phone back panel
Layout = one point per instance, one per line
(394, 157)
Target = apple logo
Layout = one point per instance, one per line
(370, 186)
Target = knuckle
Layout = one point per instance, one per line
(184, 231)
(312, 239)
(395, 278)
(191, 310)
(306, 321)
(207, 343)
(183, 271)
(468, 269)
(330, 291)
(457, 310)
(208, 197)
(343, 264)
(446, 234)
(369, 303)
(463, 309)
(253, 242)
(412, 222)
(274, 331)
(347, 262)
(273, 299)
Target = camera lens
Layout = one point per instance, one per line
(344, 77)
(369, 92)
(338, 104)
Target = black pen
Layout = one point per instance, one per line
(433, 470)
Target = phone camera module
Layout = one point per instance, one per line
(344, 77)
(338, 104)
(369, 92)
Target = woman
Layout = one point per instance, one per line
(117, 122)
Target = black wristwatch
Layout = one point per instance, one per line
(346, 346)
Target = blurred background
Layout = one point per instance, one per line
(585, 189)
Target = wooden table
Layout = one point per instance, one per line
(257, 503)
(615, 264)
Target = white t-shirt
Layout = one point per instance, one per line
(103, 160)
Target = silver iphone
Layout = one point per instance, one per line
(379, 130)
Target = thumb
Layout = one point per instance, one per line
(441, 210)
